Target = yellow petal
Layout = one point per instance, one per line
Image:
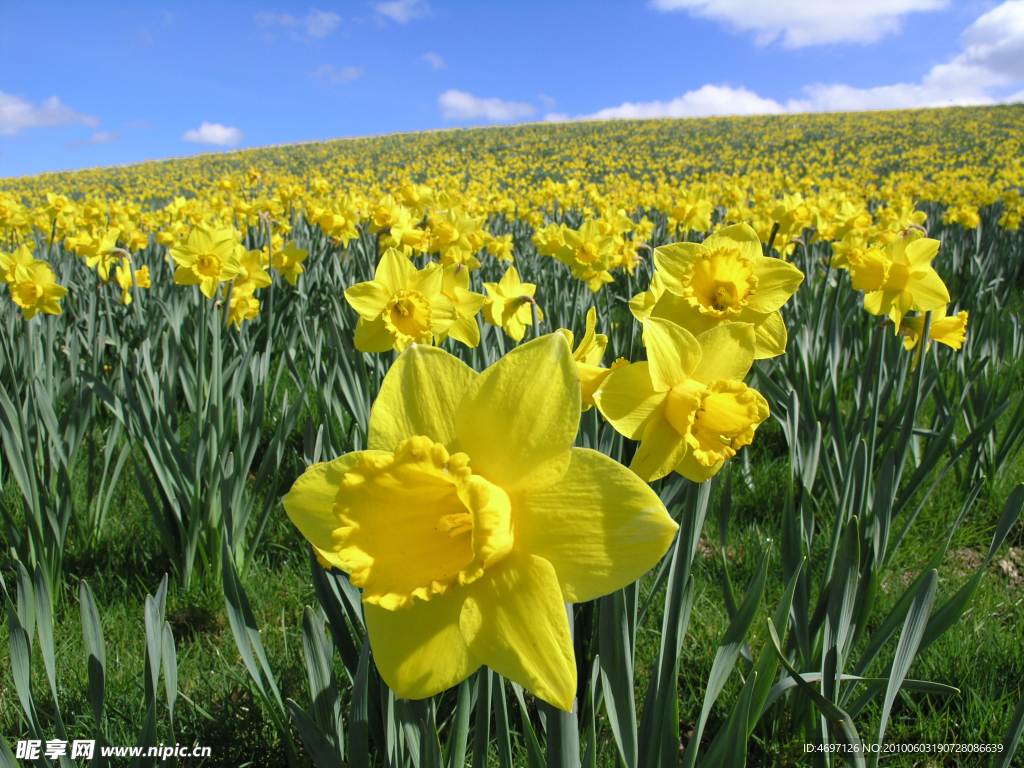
(466, 330)
(676, 308)
(674, 262)
(777, 281)
(642, 305)
(310, 502)
(514, 621)
(660, 450)
(878, 302)
(373, 336)
(601, 527)
(419, 396)
(368, 299)
(394, 270)
(419, 651)
(770, 336)
(442, 314)
(519, 419)
(694, 471)
(928, 289)
(951, 331)
(727, 352)
(427, 281)
(740, 236)
(627, 398)
(920, 252)
(672, 351)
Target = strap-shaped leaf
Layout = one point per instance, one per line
(95, 653)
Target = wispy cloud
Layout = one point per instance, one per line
(802, 23)
(17, 114)
(316, 24)
(435, 60)
(333, 75)
(459, 105)
(402, 11)
(214, 133)
(100, 137)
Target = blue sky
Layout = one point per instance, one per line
(98, 83)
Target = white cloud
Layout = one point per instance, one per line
(401, 11)
(546, 100)
(334, 75)
(459, 105)
(807, 22)
(704, 102)
(435, 60)
(992, 57)
(100, 137)
(17, 114)
(316, 24)
(214, 133)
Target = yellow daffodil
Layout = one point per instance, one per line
(244, 306)
(124, 279)
(455, 286)
(725, 279)
(510, 303)
(586, 250)
(35, 289)
(951, 331)
(687, 405)
(899, 278)
(250, 269)
(501, 248)
(9, 262)
(99, 252)
(548, 240)
(588, 359)
(206, 259)
(400, 306)
(471, 519)
(288, 261)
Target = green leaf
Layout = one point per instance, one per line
(727, 654)
(95, 654)
(906, 649)
(319, 747)
(456, 746)
(736, 728)
(617, 674)
(1012, 738)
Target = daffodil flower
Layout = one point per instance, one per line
(725, 279)
(588, 359)
(900, 278)
(471, 519)
(124, 279)
(250, 269)
(455, 286)
(400, 306)
(288, 261)
(687, 404)
(951, 331)
(9, 262)
(510, 303)
(99, 254)
(244, 306)
(206, 259)
(35, 289)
